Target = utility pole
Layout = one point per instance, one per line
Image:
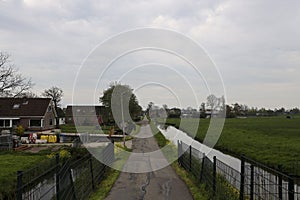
(123, 123)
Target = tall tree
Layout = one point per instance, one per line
(12, 84)
(56, 94)
(116, 98)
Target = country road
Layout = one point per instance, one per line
(156, 184)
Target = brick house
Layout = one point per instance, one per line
(33, 114)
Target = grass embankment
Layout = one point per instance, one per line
(271, 140)
(10, 163)
(105, 186)
(110, 176)
(197, 190)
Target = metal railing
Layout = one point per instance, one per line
(63, 179)
(252, 181)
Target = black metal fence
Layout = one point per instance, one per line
(252, 181)
(63, 179)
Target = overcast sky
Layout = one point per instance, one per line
(255, 44)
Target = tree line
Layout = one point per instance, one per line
(216, 104)
(14, 84)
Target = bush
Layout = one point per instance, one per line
(20, 130)
(63, 154)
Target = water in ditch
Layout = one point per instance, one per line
(174, 135)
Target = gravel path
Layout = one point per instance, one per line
(159, 184)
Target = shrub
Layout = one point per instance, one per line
(63, 154)
(20, 130)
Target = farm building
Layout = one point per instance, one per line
(86, 115)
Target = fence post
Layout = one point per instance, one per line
(110, 151)
(291, 188)
(202, 167)
(214, 175)
(113, 151)
(57, 176)
(92, 173)
(179, 151)
(280, 182)
(72, 184)
(252, 182)
(242, 178)
(19, 185)
(190, 158)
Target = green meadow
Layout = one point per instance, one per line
(273, 141)
(10, 163)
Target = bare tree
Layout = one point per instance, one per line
(12, 84)
(56, 94)
(28, 94)
(212, 102)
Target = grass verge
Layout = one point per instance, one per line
(121, 156)
(169, 150)
(105, 186)
(197, 190)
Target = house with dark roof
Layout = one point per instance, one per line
(33, 114)
(86, 115)
(61, 115)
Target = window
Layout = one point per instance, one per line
(35, 122)
(50, 122)
(2, 123)
(49, 108)
(5, 123)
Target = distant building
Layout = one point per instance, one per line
(61, 116)
(33, 114)
(190, 113)
(86, 115)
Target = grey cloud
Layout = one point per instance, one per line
(252, 42)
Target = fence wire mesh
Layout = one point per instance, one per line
(63, 179)
(252, 181)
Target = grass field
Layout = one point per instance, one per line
(273, 141)
(10, 163)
